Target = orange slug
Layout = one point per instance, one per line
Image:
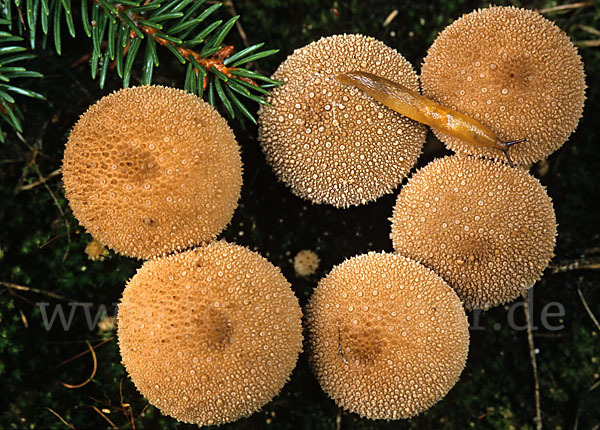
(419, 108)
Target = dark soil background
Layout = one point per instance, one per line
(42, 248)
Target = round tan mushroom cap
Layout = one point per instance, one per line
(388, 337)
(210, 335)
(514, 71)
(150, 170)
(489, 230)
(329, 142)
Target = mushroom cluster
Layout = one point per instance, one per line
(151, 170)
(388, 337)
(329, 142)
(486, 228)
(209, 335)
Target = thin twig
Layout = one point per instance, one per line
(19, 296)
(114, 426)
(24, 319)
(35, 290)
(538, 409)
(89, 379)
(33, 153)
(238, 25)
(31, 162)
(58, 236)
(107, 404)
(579, 264)
(81, 354)
(338, 419)
(142, 412)
(587, 308)
(50, 175)
(393, 14)
(60, 209)
(62, 420)
(126, 406)
(548, 335)
(590, 30)
(594, 386)
(588, 43)
(564, 7)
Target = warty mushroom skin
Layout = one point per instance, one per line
(330, 143)
(388, 338)
(151, 170)
(209, 335)
(512, 70)
(488, 229)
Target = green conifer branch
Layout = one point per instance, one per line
(125, 35)
(12, 53)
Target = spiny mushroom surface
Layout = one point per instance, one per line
(512, 70)
(388, 338)
(329, 142)
(489, 230)
(209, 335)
(150, 170)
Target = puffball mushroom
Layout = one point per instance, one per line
(512, 70)
(487, 229)
(150, 170)
(331, 143)
(210, 335)
(388, 338)
(306, 262)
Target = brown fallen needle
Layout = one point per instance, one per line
(87, 381)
